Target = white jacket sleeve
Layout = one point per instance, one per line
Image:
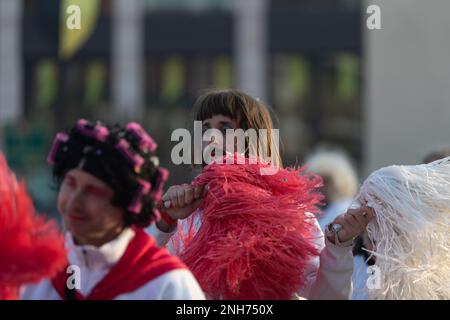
(328, 276)
(161, 237)
(174, 285)
(183, 286)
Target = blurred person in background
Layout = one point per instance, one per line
(340, 182)
(108, 180)
(340, 185)
(436, 154)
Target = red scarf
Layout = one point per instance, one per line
(142, 262)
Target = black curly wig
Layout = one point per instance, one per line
(122, 157)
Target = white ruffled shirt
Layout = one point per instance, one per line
(96, 262)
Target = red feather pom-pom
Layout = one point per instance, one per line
(31, 247)
(255, 237)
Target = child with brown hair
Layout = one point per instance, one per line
(250, 236)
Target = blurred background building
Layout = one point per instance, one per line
(379, 95)
(407, 83)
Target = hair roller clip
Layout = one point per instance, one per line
(155, 161)
(59, 138)
(159, 185)
(136, 204)
(97, 132)
(145, 141)
(136, 160)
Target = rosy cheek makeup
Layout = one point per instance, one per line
(99, 192)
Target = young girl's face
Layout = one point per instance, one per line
(221, 123)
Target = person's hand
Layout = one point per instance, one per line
(353, 223)
(180, 201)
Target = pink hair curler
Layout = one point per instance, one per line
(136, 160)
(159, 186)
(59, 138)
(136, 204)
(145, 140)
(99, 132)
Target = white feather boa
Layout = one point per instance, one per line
(411, 230)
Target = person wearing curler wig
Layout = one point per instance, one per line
(108, 180)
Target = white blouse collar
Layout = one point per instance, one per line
(105, 256)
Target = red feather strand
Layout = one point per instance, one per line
(31, 247)
(255, 237)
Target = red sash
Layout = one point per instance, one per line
(142, 262)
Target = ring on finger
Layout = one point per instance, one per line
(336, 227)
